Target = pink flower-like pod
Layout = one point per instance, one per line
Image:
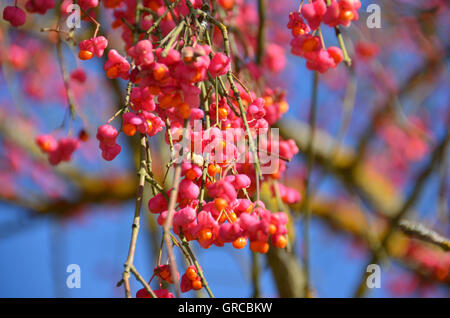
(141, 99)
(275, 59)
(39, 6)
(95, 45)
(306, 46)
(206, 229)
(287, 149)
(78, 75)
(111, 152)
(242, 181)
(163, 293)
(87, 4)
(191, 171)
(133, 123)
(342, 12)
(243, 205)
(188, 190)
(18, 56)
(256, 109)
(288, 195)
(107, 134)
(248, 222)
(67, 146)
(117, 66)
(160, 293)
(154, 123)
(222, 189)
(297, 25)
(280, 220)
(228, 232)
(325, 60)
(220, 64)
(185, 284)
(64, 150)
(162, 218)
(14, 15)
(313, 13)
(158, 204)
(184, 217)
(142, 53)
(191, 94)
(173, 56)
(47, 143)
(336, 53)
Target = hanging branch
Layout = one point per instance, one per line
(65, 76)
(230, 79)
(167, 226)
(136, 219)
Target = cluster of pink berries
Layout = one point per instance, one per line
(166, 85)
(166, 90)
(226, 218)
(190, 280)
(165, 93)
(307, 43)
(94, 46)
(164, 274)
(106, 135)
(57, 150)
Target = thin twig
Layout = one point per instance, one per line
(137, 213)
(168, 225)
(143, 282)
(197, 266)
(157, 22)
(70, 99)
(421, 232)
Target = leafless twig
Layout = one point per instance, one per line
(421, 232)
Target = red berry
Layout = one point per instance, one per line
(85, 55)
(280, 241)
(197, 285)
(191, 273)
(240, 243)
(220, 204)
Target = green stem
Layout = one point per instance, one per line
(173, 37)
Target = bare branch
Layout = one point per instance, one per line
(419, 231)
